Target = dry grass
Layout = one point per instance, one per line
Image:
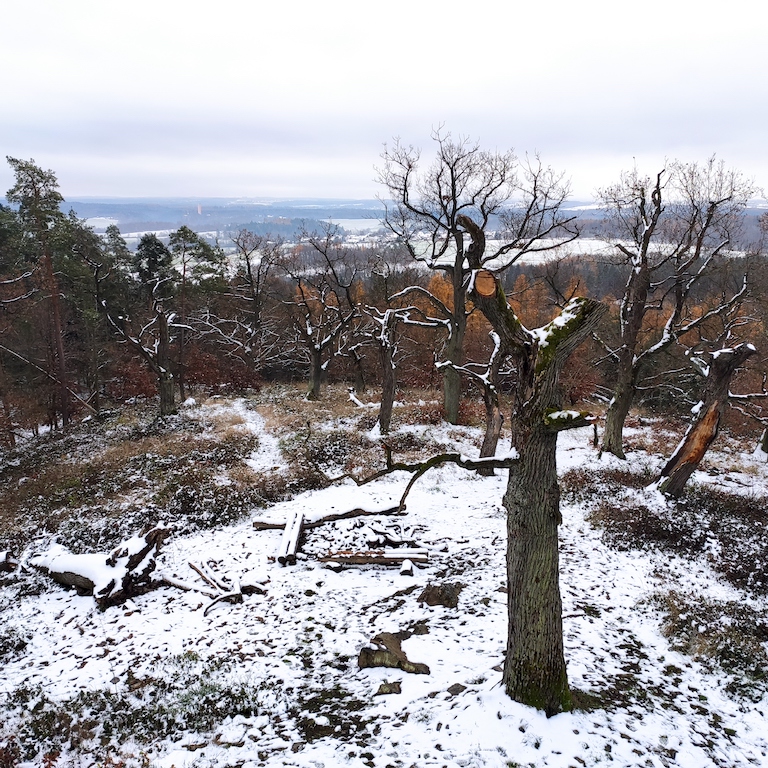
(107, 478)
(660, 440)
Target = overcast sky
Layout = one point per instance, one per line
(296, 98)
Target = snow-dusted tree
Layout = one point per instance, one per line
(534, 668)
(521, 201)
(249, 332)
(487, 377)
(198, 263)
(321, 305)
(385, 336)
(153, 264)
(153, 344)
(670, 230)
(36, 193)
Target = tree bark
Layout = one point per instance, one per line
(315, 373)
(534, 668)
(494, 418)
(387, 393)
(633, 309)
(703, 431)
(494, 422)
(388, 378)
(166, 383)
(52, 288)
(454, 353)
(618, 410)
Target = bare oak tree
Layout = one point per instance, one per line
(249, 332)
(523, 201)
(670, 230)
(534, 667)
(321, 305)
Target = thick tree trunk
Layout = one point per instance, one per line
(451, 394)
(618, 410)
(167, 395)
(454, 353)
(534, 669)
(704, 429)
(388, 384)
(633, 309)
(315, 373)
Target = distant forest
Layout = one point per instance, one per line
(87, 321)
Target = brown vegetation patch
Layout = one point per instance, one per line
(727, 530)
(728, 634)
(108, 478)
(580, 484)
(661, 440)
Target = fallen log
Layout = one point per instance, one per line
(286, 555)
(376, 556)
(111, 578)
(271, 525)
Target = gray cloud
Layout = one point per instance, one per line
(190, 98)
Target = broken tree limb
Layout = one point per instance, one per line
(703, 431)
(172, 581)
(269, 525)
(111, 578)
(229, 597)
(208, 577)
(420, 468)
(387, 651)
(215, 588)
(8, 562)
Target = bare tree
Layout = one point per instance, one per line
(385, 337)
(534, 667)
(321, 305)
(670, 230)
(153, 344)
(426, 210)
(487, 377)
(250, 331)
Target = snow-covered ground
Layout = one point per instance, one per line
(274, 680)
